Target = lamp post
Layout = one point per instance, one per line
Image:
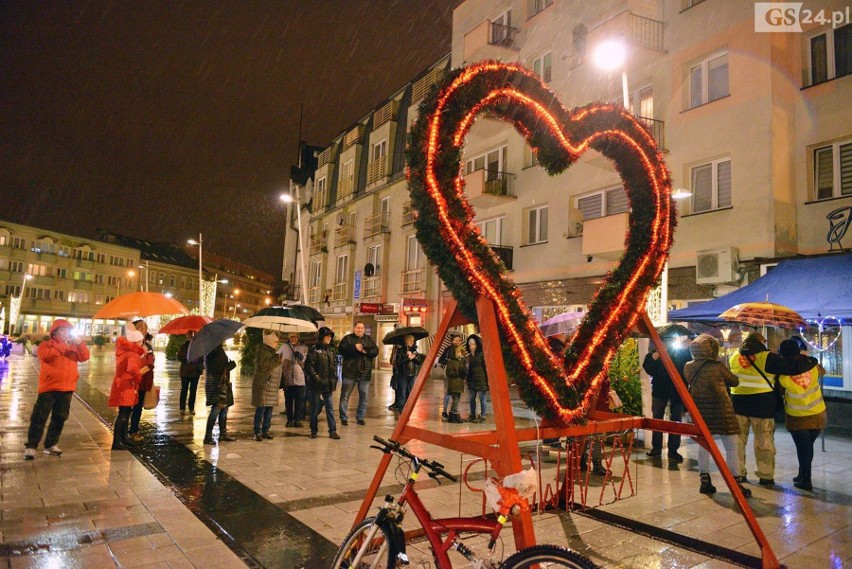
(610, 55)
(147, 278)
(235, 310)
(289, 198)
(200, 243)
(24, 284)
(16, 304)
(131, 273)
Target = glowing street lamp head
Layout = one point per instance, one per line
(27, 277)
(191, 242)
(681, 194)
(610, 55)
(286, 198)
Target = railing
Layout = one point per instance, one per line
(317, 245)
(344, 189)
(377, 169)
(376, 224)
(319, 201)
(506, 254)
(656, 129)
(499, 183)
(326, 156)
(85, 264)
(340, 291)
(646, 32)
(387, 113)
(422, 86)
(409, 214)
(502, 35)
(315, 296)
(344, 235)
(82, 285)
(372, 287)
(413, 281)
(354, 136)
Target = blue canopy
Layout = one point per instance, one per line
(815, 287)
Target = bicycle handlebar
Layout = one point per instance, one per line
(436, 468)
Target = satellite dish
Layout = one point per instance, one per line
(340, 219)
(575, 223)
(369, 270)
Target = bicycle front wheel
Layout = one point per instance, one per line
(548, 557)
(366, 547)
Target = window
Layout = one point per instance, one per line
(61, 273)
(13, 290)
(645, 96)
(708, 80)
(38, 270)
(99, 279)
(314, 274)
(492, 230)
(711, 186)
(530, 157)
(59, 295)
(833, 170)
(5, 237)
(494, 162)
(341, 269)
(379, 151)
(374, 257)
(19, 243)
(830, 54)
(64, 251)
(412, 254)
(501, 33)
(44, 246)
(347, 179)
(536, 6)
(542, 66)
(100, 258)
(16, 267)
(536, 218)
(605, 202)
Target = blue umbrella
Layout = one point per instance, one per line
(211, 336)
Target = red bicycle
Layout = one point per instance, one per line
(379, 542)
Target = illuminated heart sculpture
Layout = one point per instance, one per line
(558, 386)
(821, 325)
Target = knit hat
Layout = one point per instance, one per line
(789, 348)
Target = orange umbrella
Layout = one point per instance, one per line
(764, 314)
(140, 304)
(184, 324)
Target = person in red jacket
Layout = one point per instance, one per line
(147, 382)
(125, 385)
(57, 381)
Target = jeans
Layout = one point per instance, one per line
(764, 445)
(731, 456)
(261, 414)
(447, 399)
(188, 385)
(119, 433)
(804, 441)
(220, 413)
(404, 384)
(346, 391)
(318, 401)
(136, 414)
(294, 402)
(482, 407)
(658, 409)
(455, 398)
(57, 404)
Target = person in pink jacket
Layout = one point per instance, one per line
(57, 381)
(124, 392)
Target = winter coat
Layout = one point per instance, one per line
(456, 373)
(662, 386)
(477, 379)
(218, 367)
(708, 381)
(59, 361)
(189, 368)
(321, 369)
(264, 385)
(357, 366)
(762, 405)
(125, 383)
(405, 365)
(147, 360)
(292, 364)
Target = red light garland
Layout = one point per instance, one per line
(563, 386)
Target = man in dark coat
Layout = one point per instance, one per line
(664, 394)
(358, 351)
(321, 379)
(190, 372)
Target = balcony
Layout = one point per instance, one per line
(506, 254)
(317, 245)
(377, 170)
(326, 157)
(387, 113)
(376, 224)
(372, 287)
(354, 136)
(82, 285)
(413, 281)
(85, 264)
(604, 236)
(43, 281)
(46, 257)
(656, 129)
(422, 86)
(319, 201)
(345, 188)
(640, 31)
(409, 214)
(344, 236)
(489, 188)
(340, 291)
(489, 40)
(315, 296)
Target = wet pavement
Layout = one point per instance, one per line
(288, 501)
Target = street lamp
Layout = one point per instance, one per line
(235, 310)
(147, 278)
(15, 305)
(24, 284)
(288, 198)
(131, 273)
(200, 243)
(610, 55)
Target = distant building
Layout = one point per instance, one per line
(248, 289)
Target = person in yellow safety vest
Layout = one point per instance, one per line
(754, 403)
(804, 408)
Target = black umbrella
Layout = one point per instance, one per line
(674, 330)
(298, 311)
(212, 335)
(396, 336)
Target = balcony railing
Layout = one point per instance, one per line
(376, 224)
(389, 112)
(413, 281)
(344, 236)
(506, 254)
(315, 296)
(317, 245)
(409, 214)
(85, 264)
(372, 287)
(319, 201)
(422, 86)
(656, 129)
(487, 188)
(340, 291)
(354, 136)
(502, 35)
(326, 156)
(377, 170)
(646, 32)
(344, 189)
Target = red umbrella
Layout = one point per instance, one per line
(184, 324)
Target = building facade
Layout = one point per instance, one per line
(241, 290)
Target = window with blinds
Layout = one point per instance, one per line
(833, 170)
(605, 202)
(711, 186)
(830, 54)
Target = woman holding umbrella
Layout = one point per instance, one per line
(128, 375)
(147, 382)
(406, 364)
(190, 372)
(220, 393)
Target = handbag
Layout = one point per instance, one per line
(779, 411)
(152, 397)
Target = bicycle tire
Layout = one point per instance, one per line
(540, 555)
(373, 558)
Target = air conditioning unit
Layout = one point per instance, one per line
(716, 266)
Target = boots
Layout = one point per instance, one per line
(707, 486)
(119, 434)
(455, 418)
(746, 492)
(223, 430)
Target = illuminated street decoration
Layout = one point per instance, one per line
(560, 386)
(14, 310)
(208, 298)
(825, 338)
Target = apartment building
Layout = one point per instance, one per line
(61, 276)
(756, 128)
(241, 290)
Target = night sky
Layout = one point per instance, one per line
(162, 119)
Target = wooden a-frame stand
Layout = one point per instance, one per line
(500, 446)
